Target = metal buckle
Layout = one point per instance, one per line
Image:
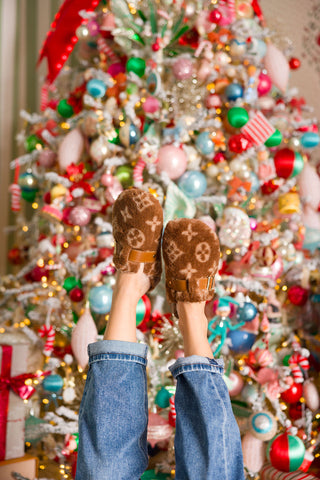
(209, 283)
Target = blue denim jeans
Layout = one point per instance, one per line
(113, 417)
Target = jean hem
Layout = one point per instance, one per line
(118, 350)
(196, 363)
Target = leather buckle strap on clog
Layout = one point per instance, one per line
(141, 256)
(205, 283)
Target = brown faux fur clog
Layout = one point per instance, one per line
(191, 254)
(137, 221)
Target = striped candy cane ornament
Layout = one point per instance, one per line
(104, 48)
(49, 332)
(138, 172)
(172, 412)
(15, 189)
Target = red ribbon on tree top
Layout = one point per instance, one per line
(61, 39)
(18, 385)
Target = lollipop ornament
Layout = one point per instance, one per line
(221, 323)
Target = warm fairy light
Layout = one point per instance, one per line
(80, 369)
(51, 262)
(284, 288)
(65, 245)
(76, 228)
(25, 228)
(45, 401)
(44, 285)
(40, 262)
(78, 238)
(35, 205)
(241, 361)
(36, 382)
(43, 279)
(28, 444)
(228, 252)
(50, 294)
(22, 324)
(59, 288)
(16, 325)
(121, 117)
(122, 124)
(277, 287)
(28, 381)
(318, 416)
(2, 330)
(84, 376)
(42, 467)
(198, 105)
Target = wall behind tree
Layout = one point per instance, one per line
(23, 26)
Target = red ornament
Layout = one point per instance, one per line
(269, 187)
(14, 256)
(294, 63)
(295, 411)
(239, 143)
(219, 157)
(298, 295)
(293, 393)
(287, 163)
(155, 47)
(36, 274)
(76, 294)
(215, 16)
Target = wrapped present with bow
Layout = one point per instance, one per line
(14, 389)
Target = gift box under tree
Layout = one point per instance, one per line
(13, 392)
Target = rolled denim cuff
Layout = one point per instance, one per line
(118, 350)
(196, 363)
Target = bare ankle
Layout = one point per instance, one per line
(194, 327)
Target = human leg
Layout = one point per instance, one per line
(114, 412)
(207, 442)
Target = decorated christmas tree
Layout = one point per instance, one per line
(189, 100)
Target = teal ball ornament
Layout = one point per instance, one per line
(162, 398)
(52, 383)
(28, 182)
(100, 299)
(310, 139)
(234, 91)
(96, 88)
(129, 134)
(193, 183)
(204, 143)
(263, 425)
(247, 312)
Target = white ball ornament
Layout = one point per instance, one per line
(262, 425)
(70, 149)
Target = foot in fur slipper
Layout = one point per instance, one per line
(137, 221)
(191, 254)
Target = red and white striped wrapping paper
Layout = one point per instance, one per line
(258, 129)
(268, 472)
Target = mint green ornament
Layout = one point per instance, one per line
(136, 65)
(237, 117)
(274, 140)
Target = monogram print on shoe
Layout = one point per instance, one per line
(125, 213)
(189, 233)
(135, 238)
(142, 200)
(172, 251)
(153, 223)
(203, 251)
(188, 271)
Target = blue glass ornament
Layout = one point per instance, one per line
(193, 183)
(255, 182)
(96, 88)
(310, 139)
(247, 312)
(129, 134)
(28, 182)
(100, 299)
(52, 383)
(256, 48)
(234, 91)
(204, 143)
(241, 341)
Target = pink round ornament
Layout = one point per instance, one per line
(182, 68)
(84, 332)
(80, 216)
(213, 101)
(151, 105)
(114, 190)
(107, 180)
(47, 158)
(172, 160)
(264, 84)
(236, 384)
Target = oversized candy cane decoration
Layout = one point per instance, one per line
(15, 191)
(49, 332)
(172, 411)
(298, 363)
(138, 172)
